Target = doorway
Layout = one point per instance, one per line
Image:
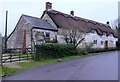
(106, 44)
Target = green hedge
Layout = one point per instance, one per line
(54, 51)
(96, 50)
(118, 44)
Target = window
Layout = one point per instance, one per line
(95, 42)
(101, 42)
(39, 37)
(93, 31)
(111, 41)
(47, 35)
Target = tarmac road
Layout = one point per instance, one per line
(99, 67)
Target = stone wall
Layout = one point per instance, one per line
(16, 38)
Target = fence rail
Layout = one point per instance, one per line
(16, 54)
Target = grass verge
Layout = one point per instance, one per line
(0, 72)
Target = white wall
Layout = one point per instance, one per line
(90, 37)
(111, 40)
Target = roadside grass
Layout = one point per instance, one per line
(0, 72)
(33, 64)
(9, 71)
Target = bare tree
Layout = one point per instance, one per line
(73, 36)
(116, 25)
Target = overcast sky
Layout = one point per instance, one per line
(98, 10)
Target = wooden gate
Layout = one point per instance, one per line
(13, 55)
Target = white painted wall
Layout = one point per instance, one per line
(89, 38)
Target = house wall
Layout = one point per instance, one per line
(52, 34)
(111, 40)
(46, 17)
(16, 38)
(89, 39)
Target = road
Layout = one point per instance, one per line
(99, 67)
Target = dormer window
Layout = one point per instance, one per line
(110, 34)
(93, 31)
(104, 33)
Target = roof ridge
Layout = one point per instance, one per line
(76, 17)
(30, 16)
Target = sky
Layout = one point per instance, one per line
(97, 10)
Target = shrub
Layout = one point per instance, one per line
(118, 45)
(81, 52)
(54, 50)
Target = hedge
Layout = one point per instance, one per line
(54, 50)
(96, 50)
(118, 45)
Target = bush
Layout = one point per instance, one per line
(54, 51)
(118, 45)
(81, 52)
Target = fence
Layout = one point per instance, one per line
(16, 54)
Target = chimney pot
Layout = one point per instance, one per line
(108, 22)
(48, 5)
(72, 13)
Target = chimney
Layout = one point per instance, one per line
(48, 6)
(72, 13)
(107, 23)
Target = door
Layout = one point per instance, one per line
(106, 44)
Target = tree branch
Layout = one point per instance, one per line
(79, 42)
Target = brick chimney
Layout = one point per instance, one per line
(72, 13)
(48, 6)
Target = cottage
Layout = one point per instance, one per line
(101, 35)
(52, 26)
